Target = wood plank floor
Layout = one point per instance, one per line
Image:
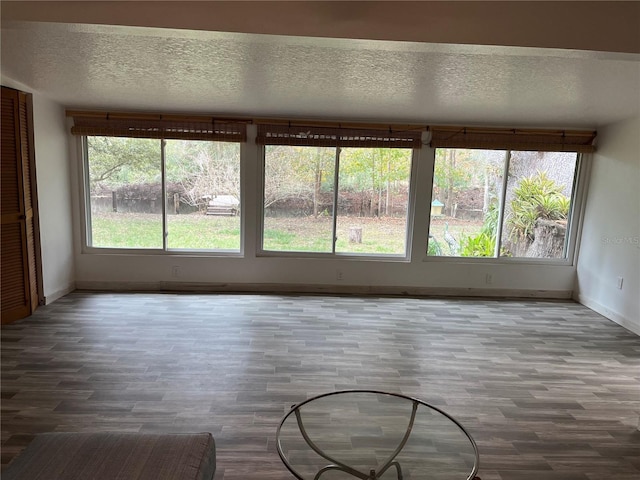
(549, 389)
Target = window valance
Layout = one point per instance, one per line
(321, 136)
(158, 126)
(330, 135)
(513, 139)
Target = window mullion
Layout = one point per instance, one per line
(336, 173)
(577, 199)
(503, 201)
(163, 182)
(87, 194)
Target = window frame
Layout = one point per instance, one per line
(394, 258)
(574, 219)
(252, 175)
(86, 214)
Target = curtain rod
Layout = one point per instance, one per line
(507, 130)
(101, 114)
(300, 122)
(119, 115)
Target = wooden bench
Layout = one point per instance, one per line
(222, 211)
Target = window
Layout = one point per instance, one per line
(504, 192)
(538, 204)
(179, 190)
(125, 192)
(298, 198)
(172, 183)
(478, 212)
(203, 195)
(326, 199)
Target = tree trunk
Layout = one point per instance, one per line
(548, 240)
(372, 207)
(316, 188)
(355, 234)
(452, 168)
(386, 207)
(485, 200)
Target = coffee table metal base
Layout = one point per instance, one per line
(372, 475)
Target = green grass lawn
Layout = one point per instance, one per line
(308, 234)
(302, 234)
(203, 232)
(193, 232)
(124, 230)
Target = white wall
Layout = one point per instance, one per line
(610, 246)
(54, 194)
(251, 272)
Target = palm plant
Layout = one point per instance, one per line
(536, 197)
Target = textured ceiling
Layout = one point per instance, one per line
(136, 68)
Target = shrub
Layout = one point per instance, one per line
(490, 223)
(433, 248)
(536, 197)
(482, 245)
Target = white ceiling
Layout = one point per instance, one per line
(170, 70)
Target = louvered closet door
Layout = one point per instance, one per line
(28, 182)
(18, 253)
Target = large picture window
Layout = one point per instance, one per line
(505, 193)
(496, 203)
(323, 198)
(158, 184)
(125, 192)
(203, 195)
(173, 183)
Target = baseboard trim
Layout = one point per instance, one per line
(321, 289)
(608, 313)
(59, 294)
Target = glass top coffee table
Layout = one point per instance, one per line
(374, 435)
